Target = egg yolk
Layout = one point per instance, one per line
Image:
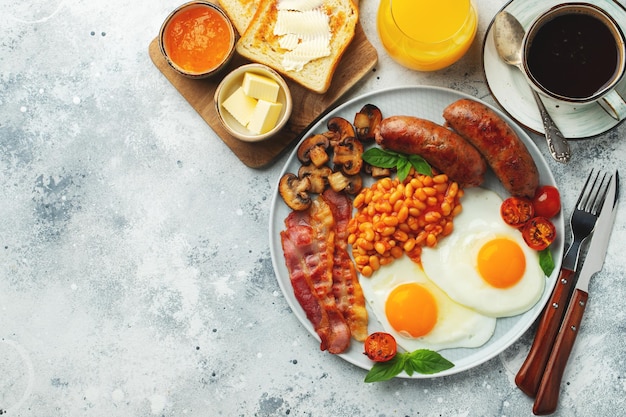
(411, 310)
(501, 262)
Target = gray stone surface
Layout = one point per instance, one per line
(135, 272)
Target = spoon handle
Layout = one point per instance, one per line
(557, 144)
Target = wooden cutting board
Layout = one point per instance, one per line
(358, 60)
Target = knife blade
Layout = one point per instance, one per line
(548, 393)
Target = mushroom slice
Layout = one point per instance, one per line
(366, 121)
(348, 154)
(313, 150)
(340, 129)
(317, 175)
(355, 184)
(349, 184)
(376, 172)
(294, 191)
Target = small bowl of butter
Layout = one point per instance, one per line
(253, 102)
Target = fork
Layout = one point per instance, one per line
(582, 221)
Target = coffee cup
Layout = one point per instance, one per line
(575, 53)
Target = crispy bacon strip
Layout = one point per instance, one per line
(308, 245)
(346, 288)
(341, 208)
(348, 294)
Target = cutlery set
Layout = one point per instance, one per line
(541, 373)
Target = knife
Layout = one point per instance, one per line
(548, 393)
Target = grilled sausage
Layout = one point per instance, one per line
(440, 147)
(505, 153)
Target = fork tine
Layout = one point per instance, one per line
(584, 194)
(603, 188)
(591, 195)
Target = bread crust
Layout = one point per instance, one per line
(240, 12)
(259, 44)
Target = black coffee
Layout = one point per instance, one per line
(573, 55)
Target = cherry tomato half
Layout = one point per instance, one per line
(380, 347)
(539, 233)
(547, 201)
(516, 211)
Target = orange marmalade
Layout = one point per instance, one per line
(197, 39)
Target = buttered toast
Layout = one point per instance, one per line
(260, 42)
(240, 12)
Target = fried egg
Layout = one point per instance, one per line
(484, 263)
(418, 314)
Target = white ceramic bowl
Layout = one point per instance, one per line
(231, 82)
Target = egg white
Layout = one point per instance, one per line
(457, 326)
(452, 263)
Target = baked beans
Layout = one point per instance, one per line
(396, 217)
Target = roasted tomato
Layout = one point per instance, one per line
(539, 233)
(380, 347)
(547, 201)
(516, 211)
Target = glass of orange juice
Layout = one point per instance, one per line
(426, 35)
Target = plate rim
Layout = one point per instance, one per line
(276, 253)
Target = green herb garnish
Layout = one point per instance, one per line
(546, 262)
(383, 158)
(422, 361)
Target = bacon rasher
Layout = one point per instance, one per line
(308, 244)
(346, 288)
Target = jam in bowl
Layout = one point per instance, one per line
(197, 39)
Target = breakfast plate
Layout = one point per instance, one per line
(510, 89)
(428, 103)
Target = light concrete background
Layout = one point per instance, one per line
(135, 272)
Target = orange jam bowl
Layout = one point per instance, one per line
(197, 39)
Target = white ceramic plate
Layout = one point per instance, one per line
(427, 103)
(509, 87)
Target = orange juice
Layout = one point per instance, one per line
(426, 35)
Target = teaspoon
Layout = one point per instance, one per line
(508, 36)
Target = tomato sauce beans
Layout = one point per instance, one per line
(401, 217)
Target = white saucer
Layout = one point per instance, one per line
(510, 89)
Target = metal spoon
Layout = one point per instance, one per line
(508, 34)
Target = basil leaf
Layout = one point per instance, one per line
(403, 167)
(384, 371)
(384, 158)
(409, 367)
(546, 262)
(423, 361)
(420, 165)
(390, 152)
(380, 158)
(426, 361)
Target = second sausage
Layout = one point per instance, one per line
(504, 151)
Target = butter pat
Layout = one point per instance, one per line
(254, 103)
(264, 117)
(240, 106)
(260, 87)
(303, 28)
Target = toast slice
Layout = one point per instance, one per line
(259, 43)
(240, 12)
